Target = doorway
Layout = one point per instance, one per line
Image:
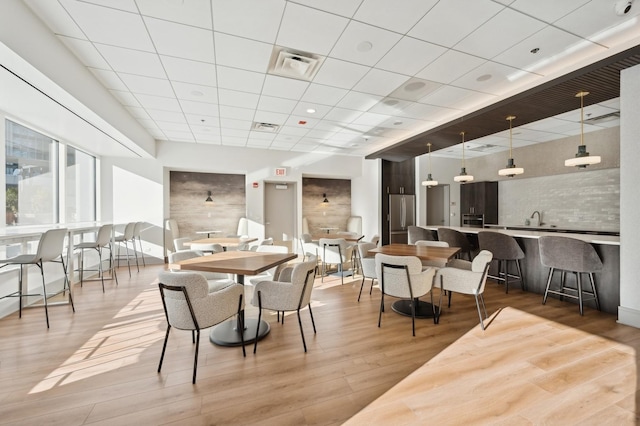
(438, 205)
(280, 212)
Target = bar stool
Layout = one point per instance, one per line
(137, 230)
(456, 239)
(570, 255)
(103, 240)
(50, 247)
(505, 249)
(126, 237)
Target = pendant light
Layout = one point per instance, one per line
(463, 177)
(208, 201)
(430, 181)
(582, 158)
(511, 170)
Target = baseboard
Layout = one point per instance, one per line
(628, 316)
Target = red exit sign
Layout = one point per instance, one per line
(281, 171)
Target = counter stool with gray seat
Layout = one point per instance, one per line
(416, 233)
(570, 255)
(456, 239)
(505, 249)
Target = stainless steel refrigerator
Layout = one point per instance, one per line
(402, 214)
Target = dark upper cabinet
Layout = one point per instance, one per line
(479, 198)
(398, 177)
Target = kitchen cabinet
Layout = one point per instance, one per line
(398, 177)
(479, 198)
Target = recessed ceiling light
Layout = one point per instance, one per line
(390, 102)
(535, 50)
(197, 93)
(364, 46)
(416, 85)
(484, 77)
(311, 110)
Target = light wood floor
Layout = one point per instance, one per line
(98, 366)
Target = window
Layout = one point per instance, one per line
(34, 183)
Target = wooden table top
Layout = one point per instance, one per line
(349, 238)
(234, 262)
(224, 242)
(422, 252)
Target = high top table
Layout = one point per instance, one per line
(224, 242)
(403, 306)
(240, 263)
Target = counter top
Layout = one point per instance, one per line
(528, 233)
(553, 229)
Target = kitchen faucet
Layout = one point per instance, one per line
(539, 217)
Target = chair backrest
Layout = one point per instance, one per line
(306, 238)
(428, 243)
(178, 243)
(51, 244)
(354, 225)
(128, 230)
(503, 246)
(375, 239)
(243, 227)
(368, 262)
(104, 235)
(305, 225)
(178, 303)
(454, 238)
(402, 276)
(334, 250)
(302, 275)
(183, 255)
(416, 233)
(569, 254)
(267, 242)
(137, 229)
(272, 249)
(172, 226)
(480, 264)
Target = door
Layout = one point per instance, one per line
(438, 205)
(280, 212)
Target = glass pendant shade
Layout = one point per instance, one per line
(511, 170)
(582, 158)
(430, 181)
(463, 177)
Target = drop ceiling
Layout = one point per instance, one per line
(389, 74)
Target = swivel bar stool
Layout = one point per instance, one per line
(505, 249)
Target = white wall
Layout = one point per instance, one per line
(365, 198)
(629, 310)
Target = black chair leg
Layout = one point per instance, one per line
(361, 285)
(241, 320)
(195, 359)
(164, 347)
(255, 344)
(301, 331)
(44, 293)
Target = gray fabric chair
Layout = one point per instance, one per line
(466, 277)
(404, 278)
(505, 250)
(441, 263)
(178, 243)
(291, 292)
(456, 239)
(570, 255)
(216, 280)
(367, 265)
(269, 274)
(189, 305)
(416, 233)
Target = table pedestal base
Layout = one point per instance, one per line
(423, 309)
(226, 333)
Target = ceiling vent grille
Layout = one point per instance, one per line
(294, 64)
(265, 127)
(603, 118)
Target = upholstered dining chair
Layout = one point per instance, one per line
(438, 263)
(189, 305)
(178, 243)
(335, 251)
(291, 292)
(404, 278)
(269, 274)
(367, 264)
(462, 276)
(216, 280)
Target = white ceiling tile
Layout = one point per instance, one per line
(194, 92)
(255, 135)
(364, 44)
(370, 119)
(270, 117)
(126, 5)
(166, 116)
(201, 121)
(399, 16)
(255, 19)
(197, 14)
(390, 106)
(452, 20)
(235, 124)
(56, 17)
(548, 10)
(234, 132)
(109, 79)
(279, 105)
(409, 56)
(147, 85)
(454, 97)
(414, 89)
(242, 53)
(359, 101)
(555, 47)
(427, 112)
(258, 143)
(342, 115)
(86, 52)
(236, 113)
(335, 72)
(294, 130)
(302, 107)
(125, 98)
(166, 126)
(339, 7)
(158, 102)
(132, 61)
(181, 41)
(302, 122)
(147, 123)
(98, 23)
(450, 66)
(233, 141)
(199, 108)
(501, 78)
(178, 136)
(282, 87)
(238, 99)
(235, 79)
(310, 30)
(500, 33)
(138, 112)
(188, 71)
(157, 134)
(326, 95)
(379, 82)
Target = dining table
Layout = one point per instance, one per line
(240, 263)
(225, 242)
(403, 306)
(208, 232)
(347, 237)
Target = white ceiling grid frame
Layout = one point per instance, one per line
(181, 41)
(189, 71)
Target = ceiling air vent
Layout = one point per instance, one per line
(603, 118)
(265, 127)
(294, 64)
